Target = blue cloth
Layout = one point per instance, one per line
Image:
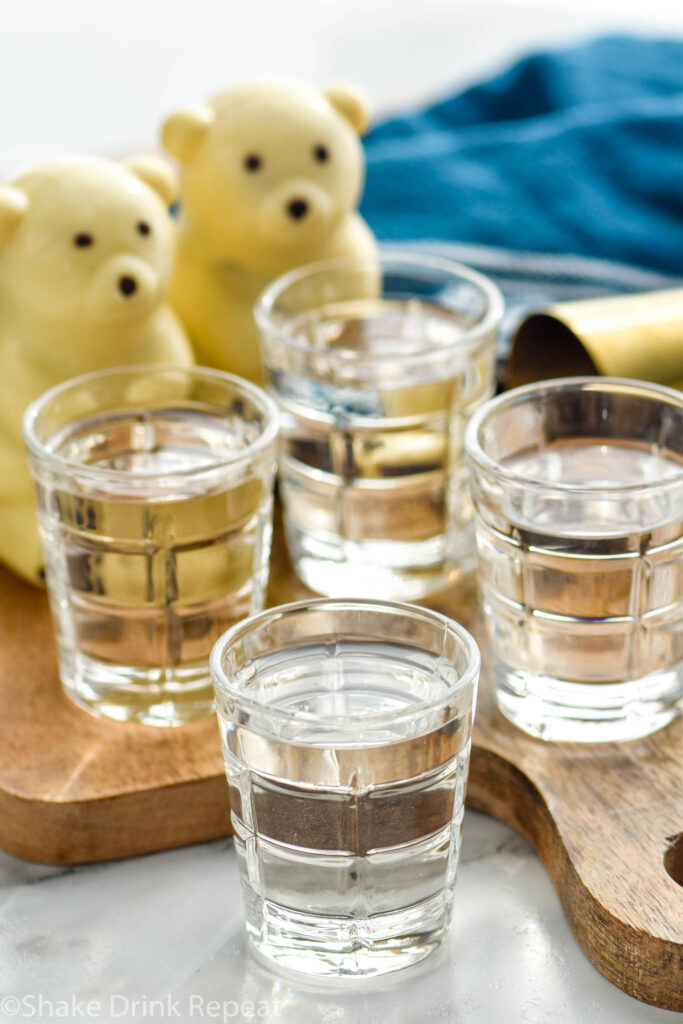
(577, 151)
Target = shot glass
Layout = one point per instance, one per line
(346, 729)
(376, 368)
(578, 485)
(154, 488)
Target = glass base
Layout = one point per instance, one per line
(384, 569)
(341, 947)
(557, 710)
(164, 697)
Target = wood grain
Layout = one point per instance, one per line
(606, 820)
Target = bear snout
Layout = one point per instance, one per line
(127, 285)
(296, 212)
(297, 208)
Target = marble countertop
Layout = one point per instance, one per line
(160, 938)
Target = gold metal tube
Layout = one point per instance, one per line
(638, 336)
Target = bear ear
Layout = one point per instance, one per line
(157, 173)
(183, 132)
(13, 206)
(351, 102)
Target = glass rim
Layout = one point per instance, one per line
(400, 258)
(450, 627)
(476, 454)
(39, 449)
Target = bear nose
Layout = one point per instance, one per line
(127, 286)
(298, 208)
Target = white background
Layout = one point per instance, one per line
(97, 74)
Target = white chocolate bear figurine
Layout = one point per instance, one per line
(271, 173)
(86, 252)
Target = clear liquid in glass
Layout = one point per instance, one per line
(348, 849)
(144, 576)
(373, 476)
(587, 591)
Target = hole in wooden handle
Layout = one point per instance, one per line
(673, 858)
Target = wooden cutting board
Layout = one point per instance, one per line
(606, 820)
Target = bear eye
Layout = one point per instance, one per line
(143, 228)
(253, 162)
(321, 154)
(83, 239)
